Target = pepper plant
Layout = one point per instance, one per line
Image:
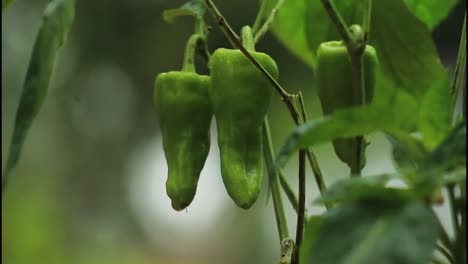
(376, 69)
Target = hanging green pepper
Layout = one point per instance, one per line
(333, 77)
(240, 96)
(184, 112)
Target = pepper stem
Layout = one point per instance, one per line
(247, 38)
(189, 56)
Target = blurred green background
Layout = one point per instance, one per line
(89, 187)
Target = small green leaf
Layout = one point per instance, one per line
(431, 12)
(435, 113)
(192, 8)
(56, 22)
(370, 187)
(367, 232)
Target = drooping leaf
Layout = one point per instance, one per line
(359, 188)
(56, 22)
(435, 113)
(368, 232)
(405, 48)
(348, 123)
(431, 12)
(194, 8)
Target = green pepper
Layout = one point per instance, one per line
(240, 97)
(333, 78)
(184, 111)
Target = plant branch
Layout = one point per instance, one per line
(460, 243)
(337, 20)
(367, 19)
(260, 15)
(453, 208)
(358, 85)
(311, 156)
(266, 26)
(447, 254)
(461, 64)
(301, 211)
(444, 237)
(268, 153)
(292, 197)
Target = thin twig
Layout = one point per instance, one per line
(444, 237)
(260, 15)
(447, 254)
(337, 20)
(366, 23)
(453, 208)
(358, 85)
(266, 26)
(311, 156)
(460, 243)
(268, 153)
(461, 64)
(301, 211)
(288, 191)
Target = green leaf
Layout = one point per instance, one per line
(408, 151)
(435, 113)
(370, 187)
(369, 232)
(431, 12)
(405, 48)
(192, 8)
(6, 3)
(56, 22)
(448, 157)
(451, 152)
(346, 124)
(289, 28)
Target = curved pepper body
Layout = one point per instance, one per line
(334, 82)
(240, 97)
(184, 112)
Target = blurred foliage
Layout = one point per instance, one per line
(72, 199)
